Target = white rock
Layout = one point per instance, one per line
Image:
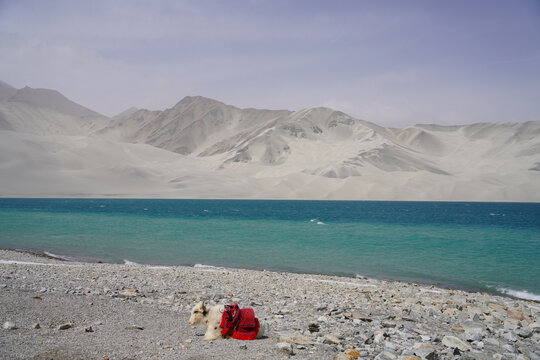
(378, 338)
(510, 336)
(9, 325)
(509, 348)
(524, 333)
(491, 341)
(386, 355)
(454, 342)
(286, 348)
(331, 339)
(322, 319)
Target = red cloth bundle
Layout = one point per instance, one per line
(239, 323)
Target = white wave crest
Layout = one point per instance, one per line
(523, 294)
(208, 268)
(204, 266)
(130, 263)
(57, 256)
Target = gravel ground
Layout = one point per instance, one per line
(52, 309)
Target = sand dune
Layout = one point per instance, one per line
(202, 148)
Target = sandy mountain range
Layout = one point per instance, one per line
(202, 148)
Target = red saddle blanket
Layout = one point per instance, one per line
(239, 323)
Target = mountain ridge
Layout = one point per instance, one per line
(219, 150)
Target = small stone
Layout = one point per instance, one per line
(473, 336)
(243, 347)
(534, 327)
(322, 319)
(388, 324)
(286, 348)
(65, 327)
(36, 326)
(425, 351)
(331, 339)
(454, 342)
(511, 336)
(9, 325)
(129, 293)
(492, 341)
(386, 355)
(514, 314)
(295, 338)
(89, 329)
(509, 348)
(378, 338)
(524, 333)
(361, 316)
(352, 354)
(134, 327)
(511, 324)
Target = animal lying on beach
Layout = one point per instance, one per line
(226, 320)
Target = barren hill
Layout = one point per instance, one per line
(203, 148)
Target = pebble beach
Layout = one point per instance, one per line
(54, 309)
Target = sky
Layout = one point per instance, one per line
(395, 63)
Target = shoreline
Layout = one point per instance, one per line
(527, 296)
(166, 197)
(141, 311)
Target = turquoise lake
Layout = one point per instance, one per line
(491, 247)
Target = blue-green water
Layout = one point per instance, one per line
(480, 246)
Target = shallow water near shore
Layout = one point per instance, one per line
(481, 246)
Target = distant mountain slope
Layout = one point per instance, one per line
(127, 112)
(42, 111)
(53, 100)
(204, 148)
(341, 146)
(6, 90)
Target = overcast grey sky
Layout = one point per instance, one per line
(395, 63)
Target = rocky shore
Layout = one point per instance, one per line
(52, 309)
